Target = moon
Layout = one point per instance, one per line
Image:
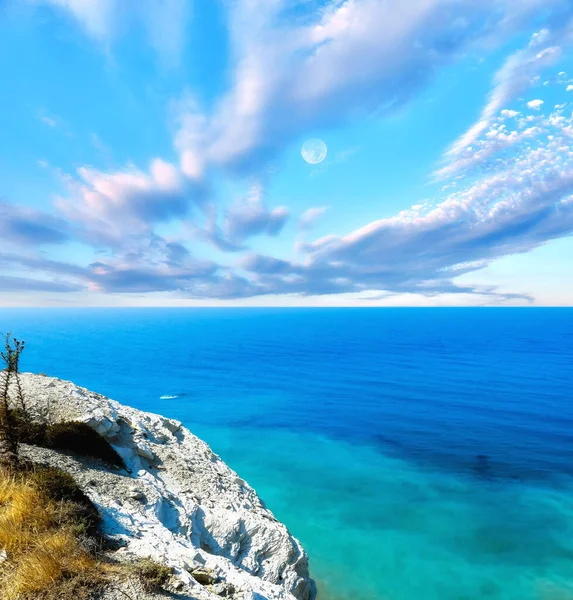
(314, 151)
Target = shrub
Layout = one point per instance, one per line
(81, 439)
(74, 436)
(28, 431)
(59, 486)
(10, 356)
(153, 576)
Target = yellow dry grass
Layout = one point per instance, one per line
(42, 557)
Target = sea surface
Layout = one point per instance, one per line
(418, 454)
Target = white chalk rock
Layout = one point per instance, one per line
(178, 503)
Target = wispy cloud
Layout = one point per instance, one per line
(106, 205)
(525, 203)
(97, 17)
(165, 21)
(47, 118)
(335, 65)
(48, 121)
(309, 217)
(25, 226)
(518, 74)
(249, 216)
(10, 283)
(511, 172)
(245, 218)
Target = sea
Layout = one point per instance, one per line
(418, 454)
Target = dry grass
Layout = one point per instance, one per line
(152, 575)
(44, 555)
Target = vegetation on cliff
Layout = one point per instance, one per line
(51, 547)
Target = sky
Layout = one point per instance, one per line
(286, 152)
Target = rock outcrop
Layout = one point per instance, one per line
(177, 502)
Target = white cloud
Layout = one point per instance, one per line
(293, 76)
(49, 121)
(525, 202)
(95, 16)
(519, 73)
(164, 20)
(192, 165)
(47, 118)
(351, 58)
(107, 205)
(535, 104)
(190, 124)
(501, 135)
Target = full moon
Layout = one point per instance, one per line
(314, 151)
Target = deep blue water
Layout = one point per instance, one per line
(417, 453)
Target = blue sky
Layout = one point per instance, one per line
(150, 152)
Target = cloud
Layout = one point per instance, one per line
(335, 62)
(102, 149)
(165, 267)
(249, 216)
(142, 278)
(48, 118)
(161, 266)
(24, 271)
(268, 265)
(292, 76)
(166, 24)
(308, 218)
(526, 203)
(245, 218)
(24, 226)
(518, 74)
(190, 124)
(39, 264)
(110, 205)
(501, 135)
(165, 21)
(535, 104)
(96, 17)
(24, 284)
(49, 121)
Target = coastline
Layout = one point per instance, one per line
(308, 424)
(178, 503)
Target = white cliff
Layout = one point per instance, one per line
(178, 503)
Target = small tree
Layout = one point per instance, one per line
(13, 348)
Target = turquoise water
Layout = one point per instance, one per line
(417, 454)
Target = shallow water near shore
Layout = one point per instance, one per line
(380, 527)
(416, 453)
